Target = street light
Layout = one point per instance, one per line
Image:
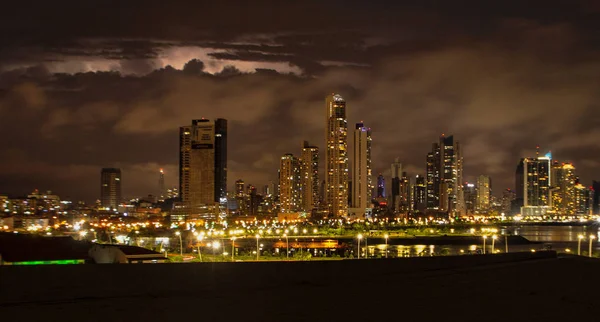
(287, 246)
(386, 244)
(199, 242)
(493, 242)
(257, 251)
(359, 237)
(180, 243)
(232, 248)
(580, 238)
(592, 237)
(484, 238)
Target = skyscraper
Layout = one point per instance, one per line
(336, 156)
(310, 176)
(395, 193)
(362, 187)
(240, 196)
(110, 187)
(536, 185)
(484, 194)
(380, 186)
(203, 162)
(161, 184)
(444, 177)
(290, 188)
(433, 178)
(470, 193)
(508, 196)
(404, 198)
(562, 188)
(419, 194)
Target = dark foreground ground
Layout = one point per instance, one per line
(512, 287)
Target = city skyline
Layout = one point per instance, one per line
(94, 96)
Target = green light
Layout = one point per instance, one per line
(58, 262)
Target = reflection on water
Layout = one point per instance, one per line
(551, 234)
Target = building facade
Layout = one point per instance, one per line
(203, 163)
(110, 188)
(484, 194)
(419, 194)
(395, 189)
(290, 187)
(444, 177)
(310, 176)
(336, 156)
(536, 185)
(362, 185)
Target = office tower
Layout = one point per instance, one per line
(536, 185)
(161, 184)
(203, 162)
(240, 196)
(310, 176)
(272, 189)
(336, 156)
(290, 188)
(433, 178)
(444, 177)
(404, 198)
(470, 193)
(508, 197)
(517, 204)
(362, 187)
(563, 188)
(253, 200)
(596, 197)
(484, 194)
(110, 187)
(419, 194)
(396, 173)
(380, 186)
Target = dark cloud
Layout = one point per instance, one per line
(111, 89)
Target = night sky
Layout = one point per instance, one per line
(92, 84)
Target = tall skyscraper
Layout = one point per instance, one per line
(444, 177)
(290, 187)
(240, 196)
(419, 194)
(470, 193)
(336, 156)
(395, 193)
(110, 187)
(380, 186)
(484, 194)
(536, 185)
(404, 198)
(310, 176)
(362, 186)
(433, 178)
(161, 184)
(562, 188)
(203, 162)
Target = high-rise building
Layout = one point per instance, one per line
(484, 194)
(110, 187)
(336, 156)
(596, 197)
(508, 197)
(562, 188)
(395, 193)
(161, 184)
(404, 198)
(419, 194)
(240, 197)
(444, 177)
(433, 178)
(253, 201)
(470, 193)
(380, 186)
(203, 162)
(310, 176)
(362, 186)
(290, 188)
(536, 185)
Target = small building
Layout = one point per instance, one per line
(123, 254)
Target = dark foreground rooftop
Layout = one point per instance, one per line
(509, 287)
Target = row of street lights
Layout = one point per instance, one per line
(580, 238)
